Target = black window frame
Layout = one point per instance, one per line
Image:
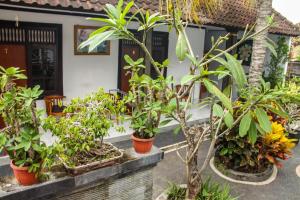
(57, 28)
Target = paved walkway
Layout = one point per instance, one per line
(285, 187)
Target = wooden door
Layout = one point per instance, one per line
(160, 45)
(13, 56)
(134, 51)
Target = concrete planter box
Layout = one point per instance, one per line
(131, 179)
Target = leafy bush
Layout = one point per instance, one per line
(209, 191)
(21, 136)
(240, 148)
(80, 134)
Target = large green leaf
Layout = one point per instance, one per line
(187, 78)
(252, 133)
(215, 91)
(263, 120)
(236, 69)
(181, 47)
(217, 110)
(245, 124)
(228, 119)
(97, 39)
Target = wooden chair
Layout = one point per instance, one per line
(54, 105)
(185, 88)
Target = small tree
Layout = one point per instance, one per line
(115, 27)
(275, 69)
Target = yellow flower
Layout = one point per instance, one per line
(277, 128)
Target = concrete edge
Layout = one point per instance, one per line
(69, 183)
(266, 182)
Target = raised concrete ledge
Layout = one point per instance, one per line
(68, 184)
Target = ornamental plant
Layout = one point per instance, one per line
(245, 148)
(275, 145)
(21, 136)
(147, 97)
(221, 115)
(81, 132)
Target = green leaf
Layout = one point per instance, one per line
(165, 122)
(252, 133)
(271, 47)
(126, 9)
(263, 120)
(187, 78)
(215, 91)
(181, 47)
(224, 151)
(236, 69)
(228, 119)
(245, 124)
(217, 110)
(129, 60)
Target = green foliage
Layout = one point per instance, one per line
(214, 191)
(176, 192)
(86, 123)
(116, 26)
(21, 137)
(239, 149)
(278, 58)
(148, 99)
(209, 191)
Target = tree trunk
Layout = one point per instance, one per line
(259, 50)
(193, 187)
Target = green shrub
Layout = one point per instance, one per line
(209, 191)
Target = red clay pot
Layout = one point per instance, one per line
(142, 145)
(23, 176)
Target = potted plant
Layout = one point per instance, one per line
(259, 140)
(21, 136)
(81, 132)
(147, 99)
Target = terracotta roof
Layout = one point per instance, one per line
(233, 13)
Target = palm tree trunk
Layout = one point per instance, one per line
(259, 44)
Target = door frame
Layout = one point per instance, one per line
(59, 40)
(120, 53)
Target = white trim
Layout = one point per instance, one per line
(52, 10)
(266, 182)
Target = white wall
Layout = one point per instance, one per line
(81, 74)
(177, 69)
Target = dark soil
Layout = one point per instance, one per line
(106, 151)
(229, 164)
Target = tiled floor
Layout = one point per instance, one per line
(285, 187)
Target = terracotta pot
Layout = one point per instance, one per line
(142, 145)
(23, 176)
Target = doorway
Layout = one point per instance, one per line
(160, 43)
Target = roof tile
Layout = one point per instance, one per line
(233, 13)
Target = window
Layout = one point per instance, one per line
(43, 44)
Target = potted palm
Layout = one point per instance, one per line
(21, 136)
(80, 133)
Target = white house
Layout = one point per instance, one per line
(38, 36)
